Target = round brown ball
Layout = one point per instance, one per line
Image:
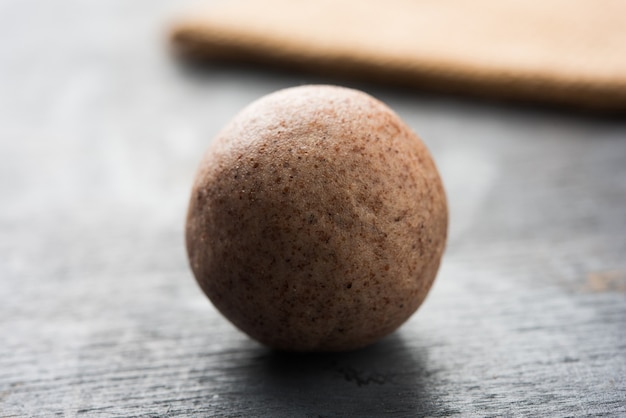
(317, 220)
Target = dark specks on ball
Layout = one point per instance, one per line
(317, 220)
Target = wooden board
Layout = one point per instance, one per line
(100, 134)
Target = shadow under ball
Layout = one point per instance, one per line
(317, 220)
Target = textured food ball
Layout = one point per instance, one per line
(317, 220)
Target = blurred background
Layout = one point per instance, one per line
(101, 129)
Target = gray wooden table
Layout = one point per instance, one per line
(100, 134)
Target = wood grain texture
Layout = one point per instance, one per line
(100, 134)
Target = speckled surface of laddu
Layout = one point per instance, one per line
(317, 220)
